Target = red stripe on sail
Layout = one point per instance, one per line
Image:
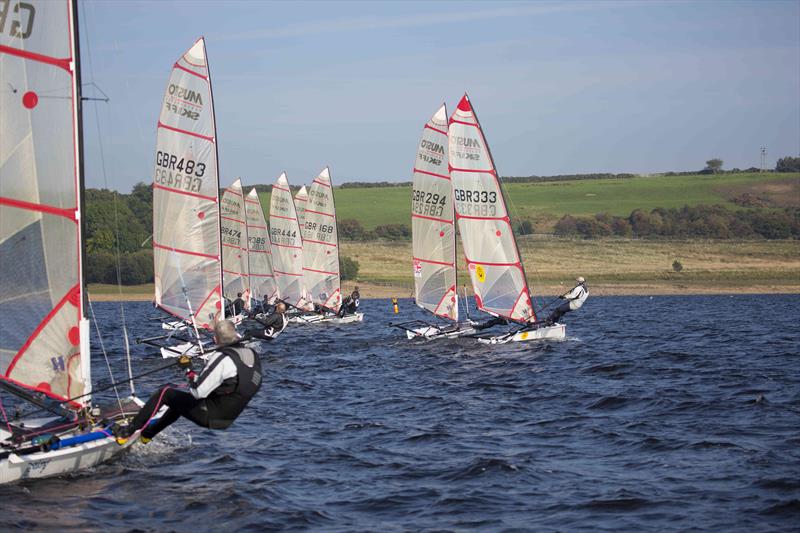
(203, 303)
(186, 252)
(185, 132)
(185, 193)
(432, 262)
(321, 271)
(454, 121)
(281, 189)
(414, 215)
(320, 213)
(232, 219)
(42, 208)
(328, 185)
(258, 251)
(427, 126)
(451, 289)
(257, 227)
(283, 217)
(73, 293)
(504, 219)
(262, 275)
(491, 171)
(485, 263)
(233, 246)
(431, 174)
(249, 201)
(234, 272)
(331, 297)
(39, 58)
(287, 273)
(319, 242)
(193, 73)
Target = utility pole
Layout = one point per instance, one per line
(763, 158)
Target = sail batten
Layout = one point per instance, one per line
(490, 249)
(433, 231)
(321, 245)
(187, 246)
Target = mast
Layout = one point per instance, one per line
(216, 158)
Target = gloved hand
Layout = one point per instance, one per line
(185, 361)
(191, 375)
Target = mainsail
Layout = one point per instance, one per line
(287, 244)
(321, 245)
(44, 335)
(233, 227)
(262, 280)
(186, 224)
(490, 249)
(433, 232)
(300, 201)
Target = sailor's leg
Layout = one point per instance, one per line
(179, 403)
(153, 404)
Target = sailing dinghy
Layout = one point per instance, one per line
(287, 245)
(490, 248)
(321, 269)
(262, 280)
(434, 236)
(235, 256)
(44, 331)
(186, 207)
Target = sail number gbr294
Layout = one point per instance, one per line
(428, 203)
(179, 173)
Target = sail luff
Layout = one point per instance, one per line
(490, 248)
(433, 230)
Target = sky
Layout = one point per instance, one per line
(560, 88)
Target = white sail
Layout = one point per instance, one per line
(186, 236)
(300, 201)
(262, 280)
(321, 245)
(287, 244)
(490, 249)
(235, 260)
(43, 331)
(433, 232)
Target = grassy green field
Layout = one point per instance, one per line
(547, 202)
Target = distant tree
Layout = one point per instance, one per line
(523, 227)
(351, 229)
(677, 266)
(348, 267)
(788, 164)
(393, 232)
(714, 165)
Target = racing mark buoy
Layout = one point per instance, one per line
(394, 304)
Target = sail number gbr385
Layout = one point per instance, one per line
(179, 173)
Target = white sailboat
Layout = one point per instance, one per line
(300, 201)
(44, 332)
(235, 256)
(434, 236)
(287, 245)
(262, 279)
(321, 268)
(490, 248)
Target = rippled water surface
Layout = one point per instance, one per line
(664, 413)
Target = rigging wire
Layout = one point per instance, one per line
(105, 355)
(118, 259)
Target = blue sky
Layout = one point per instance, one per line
(567, 87)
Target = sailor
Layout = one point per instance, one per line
(273, 324)
(573, 300)
(215, 398)
(351, 303)
(238, 304)
(490, 323)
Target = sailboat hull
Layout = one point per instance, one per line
(430, 332)
(556, 332)
(323, 319)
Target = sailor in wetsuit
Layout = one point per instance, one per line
(238, 304)
(215, 398)
(574, 300)
(351, 303)
(273, 324)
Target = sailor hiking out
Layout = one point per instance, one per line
(350, 303)
(274, 324)
(573, 300)
(215, 397)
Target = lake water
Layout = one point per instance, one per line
(663, 413)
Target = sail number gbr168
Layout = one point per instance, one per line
(179, 173)
(428, 203)
(476, 203)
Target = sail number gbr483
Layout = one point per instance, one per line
(185, 174)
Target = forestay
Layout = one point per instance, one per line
(300, 201)
(43, 331)
(186, 235)
(490, 250)
(262, 280)
(321, 245)
(235, 258)
(433, 232)
(287, 244)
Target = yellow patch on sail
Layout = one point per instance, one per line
(480, 273)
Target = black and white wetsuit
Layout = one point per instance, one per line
(215, 397)
(573, 301)
(274, 324)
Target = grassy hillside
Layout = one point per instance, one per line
(547, 202)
